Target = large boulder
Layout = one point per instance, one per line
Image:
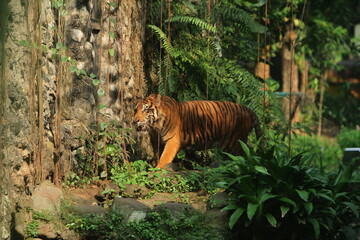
(47, 197)
(131, 209)
(88, 209)
(175, 209)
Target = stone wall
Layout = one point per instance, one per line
(45, 106)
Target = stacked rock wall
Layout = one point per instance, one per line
(48, 99)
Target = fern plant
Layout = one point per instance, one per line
(196, 63)
(194, 21)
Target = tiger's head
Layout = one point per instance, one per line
(146, 112)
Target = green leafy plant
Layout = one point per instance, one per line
(158, 225)
(74, 180)
(349, 138)
(328, 152)
(32, 229)
(112, 148)
(43, 216)
(272, 196)
(343, 108)
(141, 173)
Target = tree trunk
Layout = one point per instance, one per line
(290, 79)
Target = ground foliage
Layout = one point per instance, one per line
(158, 225)
(274, 196)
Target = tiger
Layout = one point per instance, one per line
(195, 125)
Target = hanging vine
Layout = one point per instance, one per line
(61, 12)
(40, 92)
(3, 83)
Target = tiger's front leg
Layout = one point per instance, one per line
(171, 148)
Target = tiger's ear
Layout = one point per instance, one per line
(158, 100)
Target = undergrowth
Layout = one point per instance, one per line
(158, 225)
(271, 193)
(156, 180)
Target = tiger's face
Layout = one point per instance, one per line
(145, 114)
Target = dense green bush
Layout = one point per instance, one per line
(143, 174)
(158, 225)
(344, 108)
(349, 138)
(272, 196)
(327, 151)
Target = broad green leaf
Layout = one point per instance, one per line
(109, 149)
(309, 207)
(353, 208)
(102, 106)
(103, 174)
(100, 92)
(316, 227)
(338, 195)
(326, 197)
(284, 210)
(245, 148)
(92, 75)
(24, 43)
(235, 217)
(304, 195)
(266, 197)
(96, 82)
(332, 211)
(271, 219)
(230, 207)
(232, 157)
(73, 68)
(339, 178)
(251, 210)
(112, 52)
(64, 59)
(261, 169)
(58, 45)
(288, 200)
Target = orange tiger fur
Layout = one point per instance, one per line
(194, 124)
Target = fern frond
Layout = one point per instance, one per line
(243, 17)
(194, 21)
(164, 40)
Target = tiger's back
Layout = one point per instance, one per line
(215, 124)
